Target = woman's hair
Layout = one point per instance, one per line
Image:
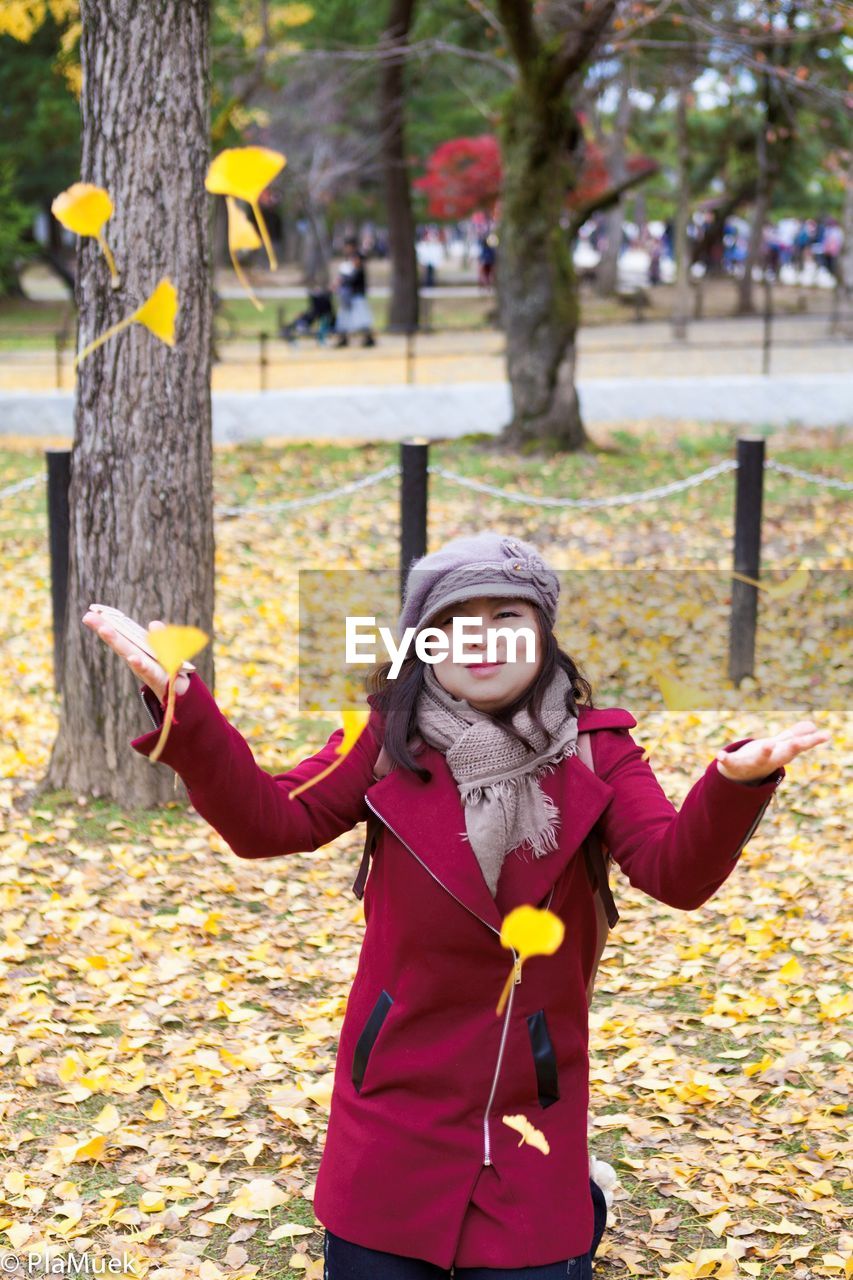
(397, 699)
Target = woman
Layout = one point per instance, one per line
(485, 809)
(354, 315)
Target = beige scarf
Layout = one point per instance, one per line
(496, 775)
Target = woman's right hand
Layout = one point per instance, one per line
(147, 669)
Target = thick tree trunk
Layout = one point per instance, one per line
(403, 304)
(141, 531)
(681, 300)
(536, 280)
(607, 276)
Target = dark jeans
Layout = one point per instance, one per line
(345, 1261)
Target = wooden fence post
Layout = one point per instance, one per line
(58, 481)
(414, 459)
(262, 359)
(747, 556)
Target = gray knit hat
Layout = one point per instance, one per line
(483, 564)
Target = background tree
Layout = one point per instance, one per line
(404, 303)
(540, 141)
(40, 129)
(141, 489)
(607, 275)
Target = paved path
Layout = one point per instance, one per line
(390, 413)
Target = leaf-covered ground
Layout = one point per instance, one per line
(170, 1013)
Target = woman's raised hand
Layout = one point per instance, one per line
(761, 756)
(147, 669)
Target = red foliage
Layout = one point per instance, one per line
(463, 176)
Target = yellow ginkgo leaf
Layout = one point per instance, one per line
(529, 1134)
(795, 582)
(242, 237)
(679, 696)
(532, 932)
(159, 311)
(529, 932)
(91, 1149)
(157, 314)
(172, 646)
(244, 172)
(355, 720)
(84, 208)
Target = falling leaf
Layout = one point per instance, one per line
(244, 172)
(679, 696)
(242, 237)
(157, 314)
(530, 932)
(532, 1136)
(173, 645)
(84, 209)
(794, 583)
(355, 720)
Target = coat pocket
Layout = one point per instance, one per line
(544, 1058)
(368, 1037)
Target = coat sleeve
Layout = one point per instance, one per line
(249, 807)
(680, 857)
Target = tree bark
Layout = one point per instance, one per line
(607, 277)
(141, 519)
(754, 253)
(681, 301)
(403, 308)
(537, 288)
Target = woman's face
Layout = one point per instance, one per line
(488, 687)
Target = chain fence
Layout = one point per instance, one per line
(478, 486)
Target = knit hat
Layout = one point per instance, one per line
(483, 564)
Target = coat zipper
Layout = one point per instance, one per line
(487, 1158)
(486, 1149)
(515, 960)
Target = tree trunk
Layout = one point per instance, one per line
(760, 209)
(754, 253)
(845, 282)
(141, 512)
(681, 301)
(536, 281)
(607, 276)
(403, 307)
(316, 249)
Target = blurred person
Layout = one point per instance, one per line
(354, 314)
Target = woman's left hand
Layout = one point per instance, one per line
(762, 756)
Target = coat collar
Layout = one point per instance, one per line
(429, 819)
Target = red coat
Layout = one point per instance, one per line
(417, 1160)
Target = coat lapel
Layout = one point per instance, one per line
(429, 819)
